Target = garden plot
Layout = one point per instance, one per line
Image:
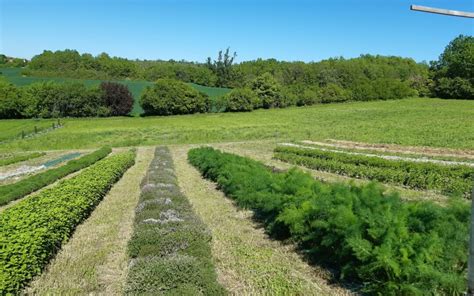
(383, 156)
(248, 262)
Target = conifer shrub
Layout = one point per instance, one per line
(388, 246)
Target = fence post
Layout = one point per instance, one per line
(470, 264)
(22, 134)
(36, 129)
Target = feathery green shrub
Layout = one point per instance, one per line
(170, 247)
(450, 179)
(389, 246)
(26, 186)
(32, 231)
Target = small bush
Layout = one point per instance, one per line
(241, 99)
(171, 97)
(268, 90)
(117, 97)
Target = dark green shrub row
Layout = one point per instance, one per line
(52, 99)
(32, 231)
(389, 246)
(170, 247)
(18, 158)
(26, 186)
(449, 179)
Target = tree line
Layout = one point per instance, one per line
(256, 84)
(52, 100)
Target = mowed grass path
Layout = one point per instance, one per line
(414, 122)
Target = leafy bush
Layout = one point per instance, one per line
(50, 99)
(170, 247)
(267, 90)
(117, 97)
(453, 72)
(32, 231)
(18, 158)
(170, 97)
(26, 186)
(391, 247)
(417, 175)
(332, 93)
(11, 103)
(241, 99)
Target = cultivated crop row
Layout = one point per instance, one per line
(18, 158)
(26, 186)
(169, 248)
(452, 179)
(32, 231)
(389, 246)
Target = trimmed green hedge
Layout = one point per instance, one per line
(33, 230)
(18, 158)
(26, 186)
(389, 246)
(449, 179)
(170, 247)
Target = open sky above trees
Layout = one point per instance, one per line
(193, 30)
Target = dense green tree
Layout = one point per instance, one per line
(117, 98)
(170, 97)
(241, 99)
(453, 73)
(268, 90)
(222, 67)
(11, 104)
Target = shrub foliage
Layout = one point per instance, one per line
(117, 98)
(454, 179)
(32, 231)
(169, 248)
(390, 246)
(170, 97)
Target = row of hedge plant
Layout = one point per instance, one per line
(30, 184)
(32, 231)
(388, 246)
(448, 179)
(52, 99)
(169, 250)
(19, 158)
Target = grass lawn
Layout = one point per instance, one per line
(414, 122)
(136, 87)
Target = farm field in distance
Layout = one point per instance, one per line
(409, 122)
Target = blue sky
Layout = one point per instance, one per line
(193, 29)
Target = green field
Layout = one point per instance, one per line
(415, 122)
(136, 87)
